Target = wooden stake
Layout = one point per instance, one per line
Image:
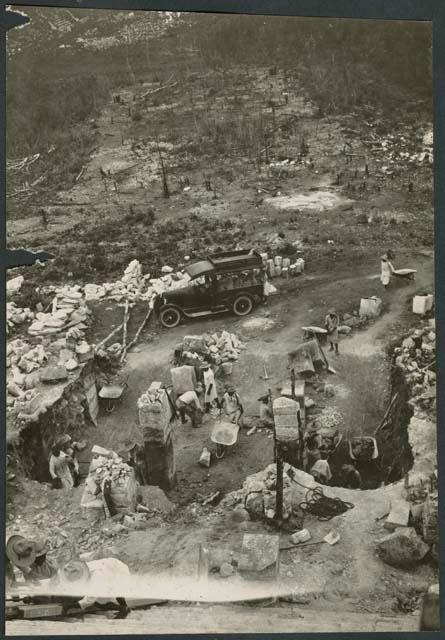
(110, 335)
(124, 332)
(139, 331)
(385, 417)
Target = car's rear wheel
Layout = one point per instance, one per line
(170, 317)
(242, 305)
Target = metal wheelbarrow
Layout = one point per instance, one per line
(224, 435)
(406, 274)
(111, 395)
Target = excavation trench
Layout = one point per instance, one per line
(374, 402)
(363, 401)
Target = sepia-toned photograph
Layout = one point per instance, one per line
(221, 367)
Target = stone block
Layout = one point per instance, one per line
(255, 505)
(370, 307)
(398, 516)
(183, 379)
(260, 555)
(204, 459)
(403, 548)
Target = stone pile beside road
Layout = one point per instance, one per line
(416, 358)
(135, 286)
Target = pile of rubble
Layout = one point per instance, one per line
(217, 348)
(258, 493)
(406, 149)
(135, 286)
(223, 346)
(30, 366)
(108, 466)
(67, 310)
(16, 315)
(416, 357)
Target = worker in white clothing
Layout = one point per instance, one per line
(210, 394)
(188, 404)
(321, 471)
(386, 269)
(97, 576)
(59, 469)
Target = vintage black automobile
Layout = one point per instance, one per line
(230, 281)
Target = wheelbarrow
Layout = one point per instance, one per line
(224, 435)
(406, 274)
(111, 395)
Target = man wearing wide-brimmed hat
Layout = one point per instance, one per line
(30, 557)
(97, 576)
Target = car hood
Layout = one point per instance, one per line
(178, 294)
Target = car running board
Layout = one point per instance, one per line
(200, 314)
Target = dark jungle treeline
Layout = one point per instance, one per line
(53, 92)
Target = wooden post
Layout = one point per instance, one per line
(279, 496)
(300, 431)
(164, 173)
(279, 460)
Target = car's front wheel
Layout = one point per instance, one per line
(242, 305)
(169, 317)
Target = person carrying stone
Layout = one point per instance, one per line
(331, 324)
(188, 405)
